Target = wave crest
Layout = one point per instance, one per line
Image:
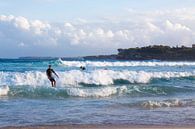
(101, 92)
(168, 103)
(48, 92)
(122, 63)
(4, 90)
(96, 77)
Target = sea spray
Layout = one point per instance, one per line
(122, 63)
(96, 92)
(96, 77)
(4, 90)
(49, 92)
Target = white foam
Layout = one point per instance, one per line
(97, 77)
(165, 103)
(100, 92)
(26, 78)
(122, 63)
(107, 77)
(4, 90)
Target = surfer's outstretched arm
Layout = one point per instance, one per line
(55, 73)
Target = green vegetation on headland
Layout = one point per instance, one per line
(155, 52)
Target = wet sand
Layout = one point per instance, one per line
(100, 127)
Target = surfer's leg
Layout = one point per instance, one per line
(54, 83)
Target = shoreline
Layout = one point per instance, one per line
(106, 126)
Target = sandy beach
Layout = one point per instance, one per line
(101, 127)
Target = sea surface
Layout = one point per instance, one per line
(107, 92)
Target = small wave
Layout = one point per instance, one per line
(154, 104)
(4, 90)
(80, 91)
(37, 92)
(100, 92)
(96, 77)
(48, 92)
(167, 103)
(56, 62)
(122, 63)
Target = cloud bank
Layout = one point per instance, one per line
(20, 36)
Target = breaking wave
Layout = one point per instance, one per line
(100, 92)
(97, 92)
(70, 91)
(4, 90)
(96, 77)
(154, 104)
(122, 63)
(49, 92)
(168, 103)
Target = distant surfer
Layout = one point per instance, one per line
(82, 68)
(50, 77)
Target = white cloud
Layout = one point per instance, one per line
(39, 27)
(6, 18)
(81, 20)
(153, 28)
(176, 26)
(21, 22)
(68, 25)
(100, 31)
(135, 29)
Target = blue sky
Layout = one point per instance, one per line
(90, 27)
(60, 10)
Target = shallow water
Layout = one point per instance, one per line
(107, 92)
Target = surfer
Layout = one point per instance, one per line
(82, 68)
(50, 77)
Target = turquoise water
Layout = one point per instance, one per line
(107, 92)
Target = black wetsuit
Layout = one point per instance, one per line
(49, 74)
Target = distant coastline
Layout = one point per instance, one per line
(155, 52)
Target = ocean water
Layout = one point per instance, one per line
(107, 92)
